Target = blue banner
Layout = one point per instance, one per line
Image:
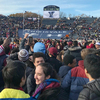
(51, 34)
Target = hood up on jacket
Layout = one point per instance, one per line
(74, 48)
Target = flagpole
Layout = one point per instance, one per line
(23, 22)
(38, 22)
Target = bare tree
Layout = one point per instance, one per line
(62, 14)
(70, 15)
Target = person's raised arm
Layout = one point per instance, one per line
(22, 44)
(5, 43)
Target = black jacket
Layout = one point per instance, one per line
(91, 91)
(53, 94)
(31, 85)
(55, 63)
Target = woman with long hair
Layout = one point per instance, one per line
(48, 84)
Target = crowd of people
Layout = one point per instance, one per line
(49, 69)
(11, 25)
(79, 26)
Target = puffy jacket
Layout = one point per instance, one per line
(74, 81)
(75, 51)
(63, 70)
(91, 91)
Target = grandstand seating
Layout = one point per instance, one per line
(49, 21)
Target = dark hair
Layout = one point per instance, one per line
(7, 49)
(15, 50)
(68, 59)
(1, 41)
(13, 73)
(37, 55)
(92, 65)
(48, 70)
(35, 41)
(75, 43)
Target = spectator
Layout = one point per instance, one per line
(14, 78)
(91, 44)
(76, 78)
(60, 56)
(69, 63)
(91, 90)
(52, 52)
(97, 45)
(39, 47)
(4, 49)
(49, 87)
(38, 58)
(49, 57)
(22, 56)
(75, 51)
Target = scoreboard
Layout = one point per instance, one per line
(51, 11)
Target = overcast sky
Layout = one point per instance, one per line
(73, 7)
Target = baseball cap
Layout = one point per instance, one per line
(53, 51)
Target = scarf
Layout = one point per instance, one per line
(49, 83)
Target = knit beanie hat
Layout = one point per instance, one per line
(23, 55)
(39, 47)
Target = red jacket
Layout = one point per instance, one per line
(91, 46)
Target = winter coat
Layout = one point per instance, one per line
(55, 63)
(63, 70)
(54, 94)
(14, 94)
(50, 90)
(74, 81)
(31, 85)
(75, 51)
(91, 91)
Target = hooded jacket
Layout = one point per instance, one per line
(75, 51)
(91, 91)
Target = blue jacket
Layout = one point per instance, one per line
(63, 70)
(74, 81)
